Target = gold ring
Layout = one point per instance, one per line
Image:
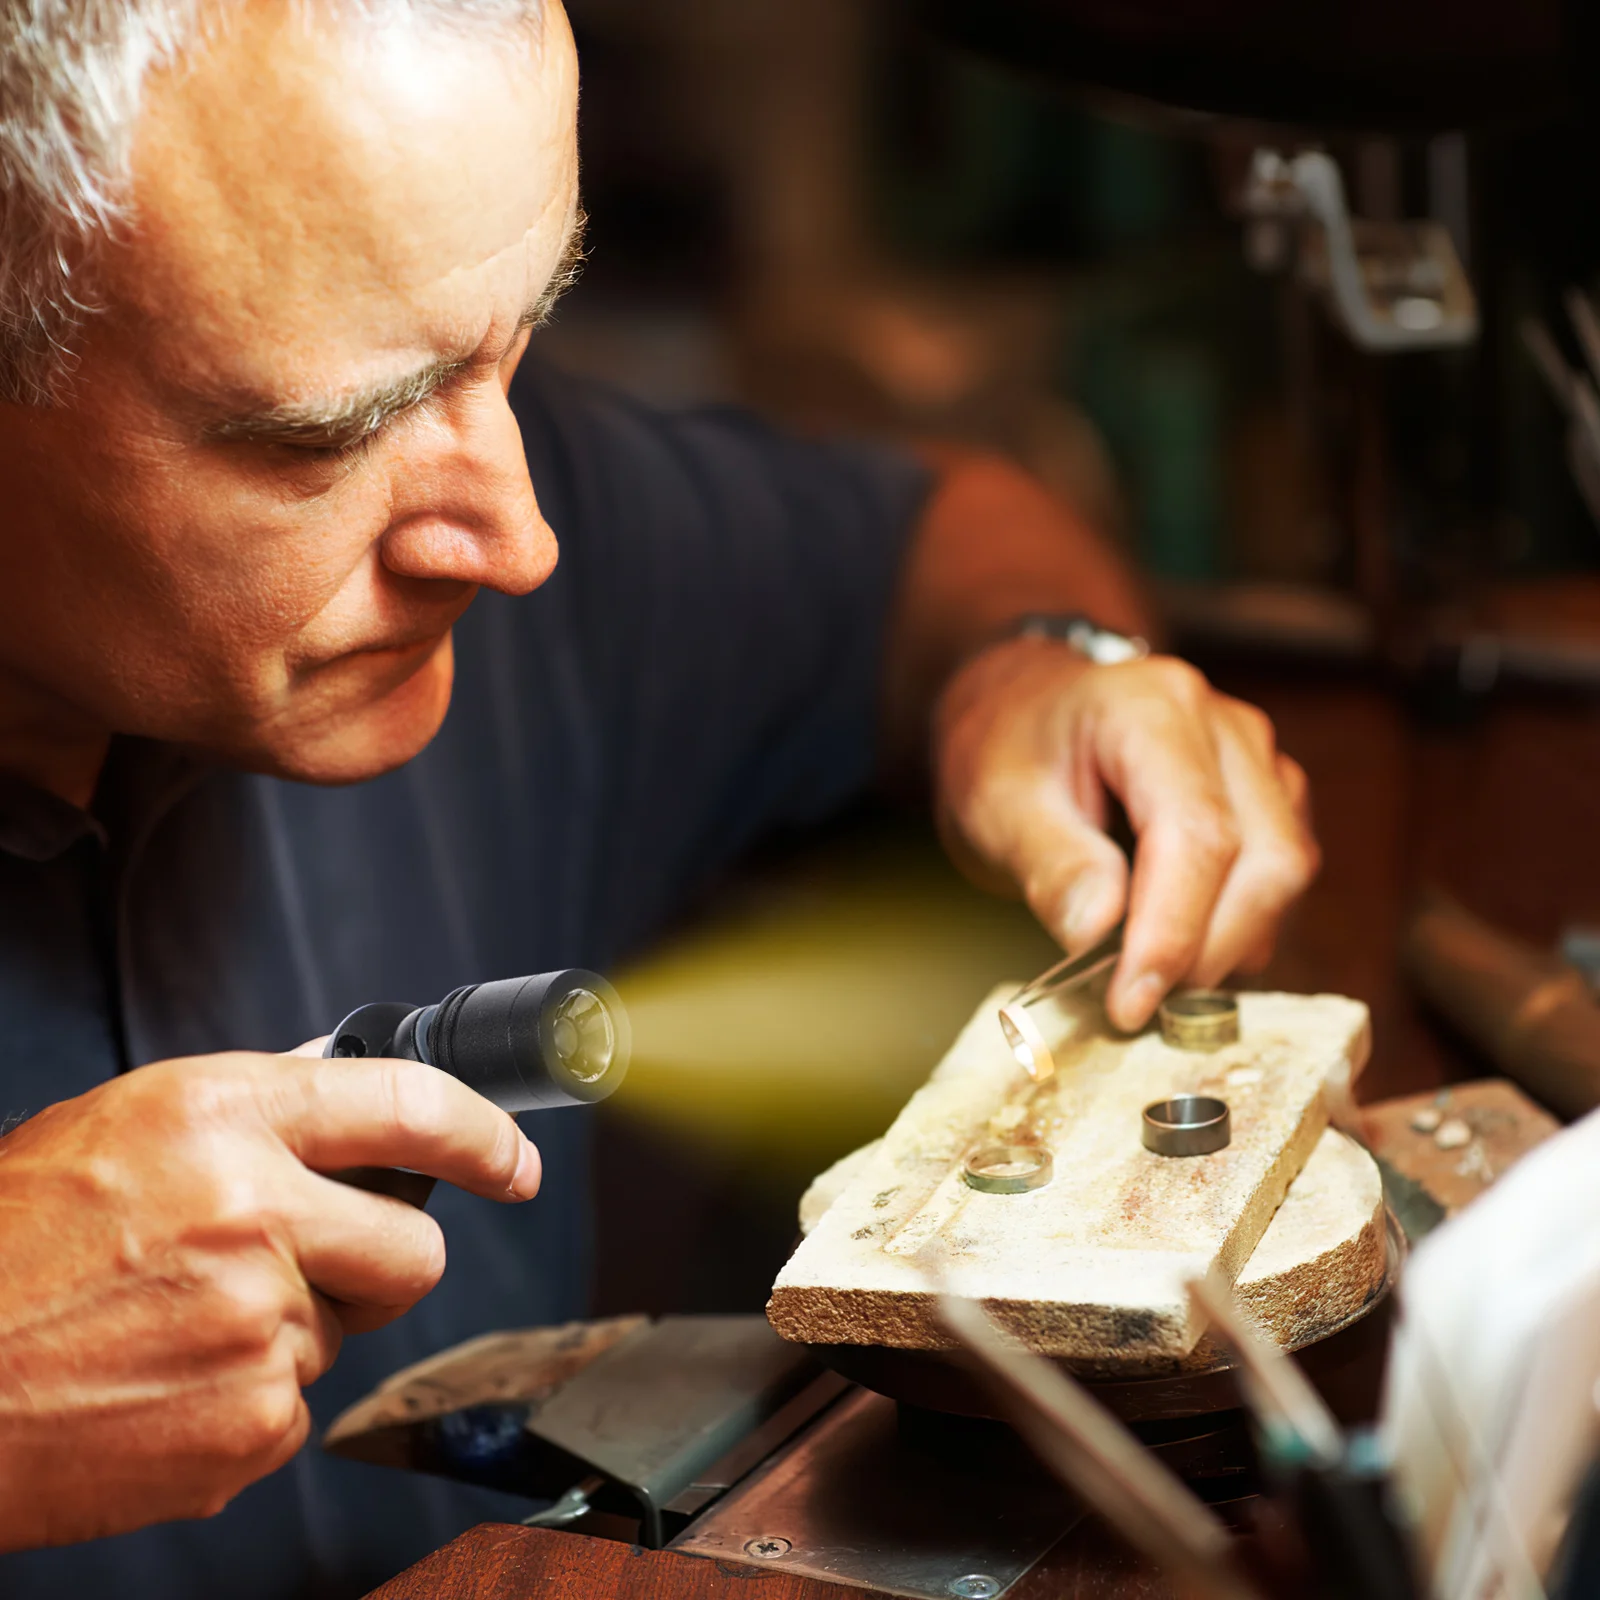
(1199, 1019)
(1027, 1043)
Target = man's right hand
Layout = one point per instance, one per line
(174, 1269)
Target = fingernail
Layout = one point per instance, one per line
(1083, 901)
(529, 1171)
(1143, 996)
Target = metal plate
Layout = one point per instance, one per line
(658, 1408)
(853, 1501)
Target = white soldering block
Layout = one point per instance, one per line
(1093, 1265)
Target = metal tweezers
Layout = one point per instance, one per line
(1071, 972)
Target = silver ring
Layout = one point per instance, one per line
(1199, 1019)
(1008, 1168)
(1187, 1125)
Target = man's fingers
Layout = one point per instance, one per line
(1224, 842)
(1073, 877)
(361, 1249)
(1168, 773)
(322, 1348)
(366, 1319)
(260, 1305)
(1297, 786)
(378, 1113)
(1182, 863)
(1277, 858)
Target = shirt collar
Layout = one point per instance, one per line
(140, 780)
(38, 825)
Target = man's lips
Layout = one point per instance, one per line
(413, 640)
(404, 647)
(393, 659)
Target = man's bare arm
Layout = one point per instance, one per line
(992, 545)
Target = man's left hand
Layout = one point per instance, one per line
(1033, 743)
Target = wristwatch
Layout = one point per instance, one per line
(1103, 646)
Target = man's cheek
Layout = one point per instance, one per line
(267, 579)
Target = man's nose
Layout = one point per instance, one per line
(464, 509)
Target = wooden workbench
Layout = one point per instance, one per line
(498, 1562)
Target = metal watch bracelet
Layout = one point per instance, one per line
(1103, 646)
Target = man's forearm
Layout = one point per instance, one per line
(992, 544)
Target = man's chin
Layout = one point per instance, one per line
(352, 736)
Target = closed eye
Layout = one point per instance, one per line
(337, 449)
(341, 426)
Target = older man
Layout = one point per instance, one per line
(267, 272)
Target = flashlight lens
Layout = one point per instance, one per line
(583, 1036)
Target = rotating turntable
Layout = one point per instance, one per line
(1294, 1210)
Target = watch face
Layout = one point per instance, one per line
(1100, 645)
(1112, 649)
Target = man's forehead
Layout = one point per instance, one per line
(344, 413)
(313, 193)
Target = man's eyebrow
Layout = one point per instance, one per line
(569, 268)
(336, 423)
(345, 420)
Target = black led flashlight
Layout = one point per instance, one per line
(527, 1044)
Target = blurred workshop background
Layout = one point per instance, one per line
(836, 213)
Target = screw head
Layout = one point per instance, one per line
(769, 1547)
(975, 1586)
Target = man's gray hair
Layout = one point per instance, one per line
(72, 76)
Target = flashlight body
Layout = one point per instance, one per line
(527, 1044)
